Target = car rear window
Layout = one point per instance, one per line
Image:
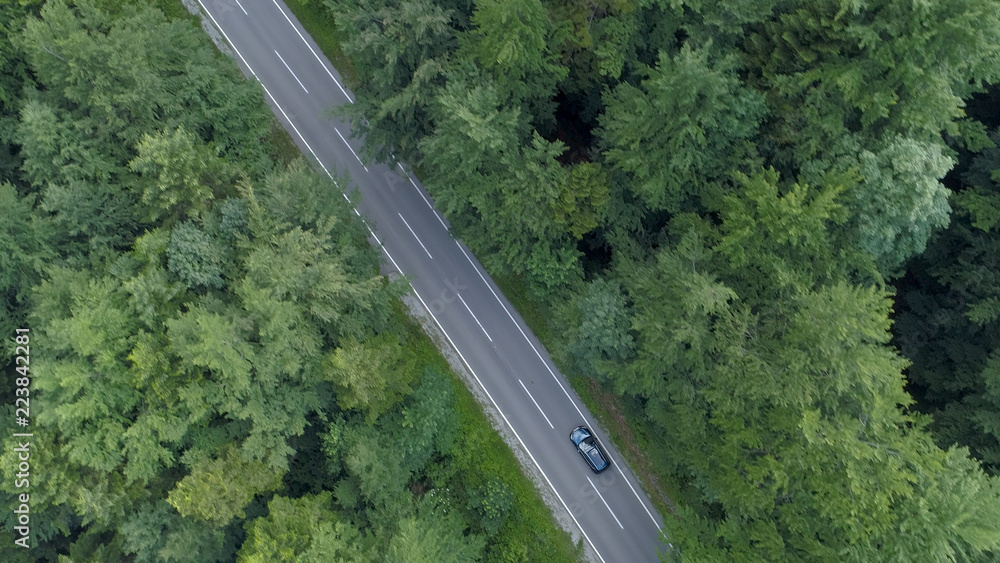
(595, 456)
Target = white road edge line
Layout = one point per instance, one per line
(509, 425)
(335, 81)
(419, 192)
(350, 149)
(536, 404)
(422, 302)
(421, 245)
(605, 503)
(434, 211)
(440, 220)
(374, 236)
(634, 492)
(398, 269)
(474, 316)
(242, 8)
(290, 71)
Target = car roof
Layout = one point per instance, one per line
(596, 455)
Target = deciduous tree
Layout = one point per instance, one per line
(218, 488)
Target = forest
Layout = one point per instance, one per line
(769, 230)
(208, 363)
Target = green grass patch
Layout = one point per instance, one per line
(283, 148)
(320, 23)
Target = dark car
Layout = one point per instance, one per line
(589, 448)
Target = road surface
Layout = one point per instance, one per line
(610, 511)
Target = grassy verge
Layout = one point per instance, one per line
(283, 148)
(480, 456)
(533, 311)
(320, 24)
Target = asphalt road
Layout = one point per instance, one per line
(615, 517)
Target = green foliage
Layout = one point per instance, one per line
(980, 197)
(430, 420)
(793, 410)
(304, 267)
(726, 16)
(89, 392)
(218, 489)
(482, 170)
(194, 257)
(983, 206)
(510, 39)
(434, 534)
(157, 533)
(493, 502)
(676, 321)
(759, 169)
(619, 35)
(108, 87)
(297, 195)
(882, 67)
(400, 50)
(77, 179)
(790, 396)
(302, 529)
(777, 239)
(482, 457)
(382, 456)
(580, 203)
(189, 322)
(372, 376)
(138, 73)
(25, 238)
(603, 334)
(371, 460)
(14, 77)
(954, 513)
(183, 175)
(684, 126)
(949, 320)
(900, 199)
